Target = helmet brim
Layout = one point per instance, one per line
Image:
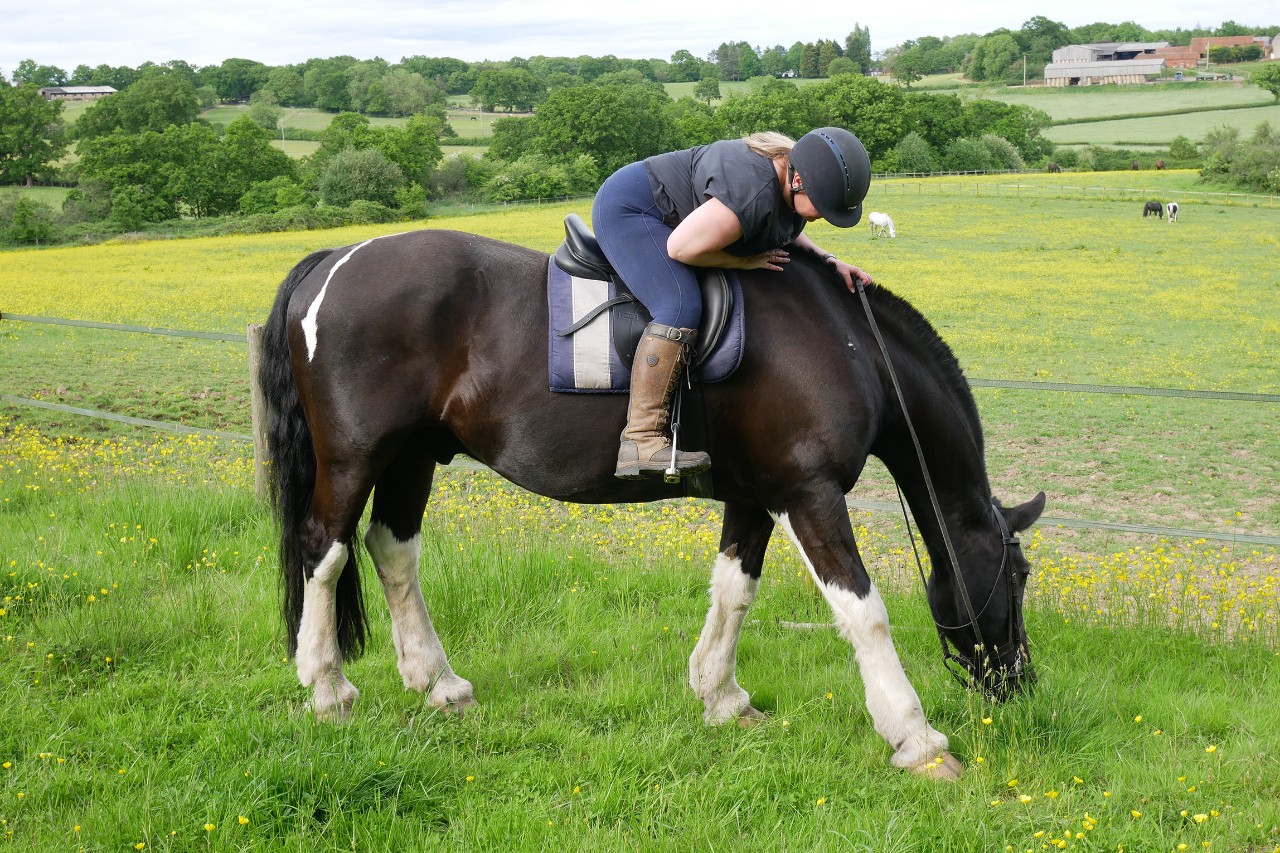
(846, 218)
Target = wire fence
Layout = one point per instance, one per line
(1058, 387)
(891, 185)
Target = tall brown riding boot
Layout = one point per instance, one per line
(645, 448)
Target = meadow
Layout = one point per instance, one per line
(143, 660)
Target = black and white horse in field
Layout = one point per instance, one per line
(385, 359)
(1153, 208)
(1173, 212)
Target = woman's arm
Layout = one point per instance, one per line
(700, 239)
(847, 271)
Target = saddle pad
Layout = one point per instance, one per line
(586, 362)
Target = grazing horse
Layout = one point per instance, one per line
(1173, 212)
(1054, 168)
(882, 225)
(1134, 166)
(385, 359)
(1153, 208)
(1160, 165)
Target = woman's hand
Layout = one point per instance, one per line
(771, 260)
(850, 273)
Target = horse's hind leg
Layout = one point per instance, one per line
(394, 541)
(819, 526)
(734, 582)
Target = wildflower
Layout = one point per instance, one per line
(1053, 795)
(822, 801)
(1135, 813)
(1211, 748)
(1024, 798)
(986, 721)
(1077, 780)
(244, 821)
(1138, 719)
(209, 827)
(1200, 818)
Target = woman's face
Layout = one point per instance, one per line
(804, 207)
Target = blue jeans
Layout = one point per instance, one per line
(631, 232)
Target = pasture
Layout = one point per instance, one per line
(142, 654)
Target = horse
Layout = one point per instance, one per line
(1153, 208)
(882, 225)
(1160, 165)
(1134, 166)
(1173, 212)
(384, 359)
(1054, 168)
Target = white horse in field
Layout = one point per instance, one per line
(881, 225)
(1173, 212)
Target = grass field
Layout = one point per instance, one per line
(143, 660)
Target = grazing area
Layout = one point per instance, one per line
(140, 636)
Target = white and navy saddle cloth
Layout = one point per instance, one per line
(587, 360)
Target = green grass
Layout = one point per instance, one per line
(149, 701)
(1161, 130)
(141, 654)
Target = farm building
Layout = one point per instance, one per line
(1108, 62)
(76, 93)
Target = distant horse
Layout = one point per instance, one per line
(385, 359)
(1160, 165)
(882, 225)
(1134, 166)
(1054, 168)
(1153, 208)
(1173, 212)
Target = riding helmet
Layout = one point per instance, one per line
(836, 172)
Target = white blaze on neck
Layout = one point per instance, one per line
(309, 322)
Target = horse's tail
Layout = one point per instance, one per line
(293, 475)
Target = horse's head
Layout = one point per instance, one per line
(994, 651)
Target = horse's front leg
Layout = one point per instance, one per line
(735, 579)
(819, 526)
(419, 653)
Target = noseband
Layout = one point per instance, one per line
(952, 654)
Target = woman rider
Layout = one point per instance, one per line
(734, 204)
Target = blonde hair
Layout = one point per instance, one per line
(770, 144)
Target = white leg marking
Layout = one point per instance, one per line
(309, 322)
(891, 700)
(714, 660)
(421, 657)
(319, 660)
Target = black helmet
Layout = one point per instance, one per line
(836, 172)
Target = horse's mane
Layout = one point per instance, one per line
(915, 328)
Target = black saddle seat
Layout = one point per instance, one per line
(580, 255)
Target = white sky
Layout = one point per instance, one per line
(278, 32)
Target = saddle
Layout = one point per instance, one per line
(581, 257)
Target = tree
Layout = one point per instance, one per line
(614, 124)
(874, 112)
(915, 155)
(708, 89)
(1267, 77)
(857, 47)
(237, 79)
(360, 174)
(31, 137)
(28, 73)
(516, 89)
(685, 67)
(264, 110)
(159, 99)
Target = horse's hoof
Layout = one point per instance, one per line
(749, 716)
(945, 767)
(458, 707)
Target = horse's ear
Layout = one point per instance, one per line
(1022, 516)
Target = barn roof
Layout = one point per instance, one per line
(1120, 67)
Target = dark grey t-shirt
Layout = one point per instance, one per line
(744, 181)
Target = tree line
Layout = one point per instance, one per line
(145, 156)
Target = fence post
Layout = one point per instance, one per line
(258, 412)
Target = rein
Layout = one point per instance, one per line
(950, 658)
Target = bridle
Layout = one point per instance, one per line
(958, 663)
